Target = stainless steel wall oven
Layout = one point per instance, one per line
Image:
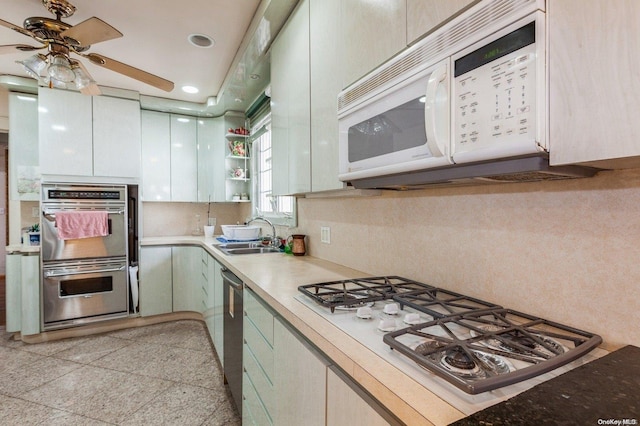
(84, 277)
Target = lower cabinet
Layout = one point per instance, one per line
(347, 404)
(212, 302)
(155, 281)
(300, 379)
(23, 293)
(258, 396)
(187, 278)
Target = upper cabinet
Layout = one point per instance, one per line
(24, 171)
(156, 156)
(290, 105)
(325, 65)
(116, 137)
(593, 102)
(82, 135)
(372, 32)
(184, 159)
(65, 132)
(423, 16)
(211, 148)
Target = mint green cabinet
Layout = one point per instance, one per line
(24, 170)
(155, 281)
(187, 278)
(290, 105)
(13, 293)
(23, 293)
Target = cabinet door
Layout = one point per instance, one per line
(346, 405)
(30, 282)
(593, 86)
(218, 310)
(210, 157)
(300, 379)
(156, 156)
(184, 159)
(324, 66)
(423, 16)
(155, 281)
(279, 116)
(24, 172)
(372, 32)
(291, 97)
(13, 284)
(65, 132)
(187, 279)
(116, 137)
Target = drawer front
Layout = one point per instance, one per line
(260, 315)
(252, 407)
(260, 348)
(261, 382)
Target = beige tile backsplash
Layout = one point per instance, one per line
(568, 250)
(172, 219)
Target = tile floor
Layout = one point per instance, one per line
(163, 374)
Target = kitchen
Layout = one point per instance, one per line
(535, 247)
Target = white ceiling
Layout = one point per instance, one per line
(155, 40)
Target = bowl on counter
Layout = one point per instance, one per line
(240, 232)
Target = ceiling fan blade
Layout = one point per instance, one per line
(11, 48)
(18, 28)
(129, 71)
(91, 31)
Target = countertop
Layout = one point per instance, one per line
(20, 248)
(603, 392)
(276, 277)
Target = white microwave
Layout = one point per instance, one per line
(474, 91)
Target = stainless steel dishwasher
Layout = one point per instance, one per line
(232, 287)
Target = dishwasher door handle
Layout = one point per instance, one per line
(233, 281)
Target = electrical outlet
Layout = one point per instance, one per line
(34, 212)
(325, 235)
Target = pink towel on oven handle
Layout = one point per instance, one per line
(75, 224)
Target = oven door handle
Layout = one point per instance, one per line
(54, 273)
(51, 216)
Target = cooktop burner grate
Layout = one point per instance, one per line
(506, 346)
(356, 292)
(438, 302)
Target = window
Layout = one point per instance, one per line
(281, 210)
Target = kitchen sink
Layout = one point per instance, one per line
(246, 248)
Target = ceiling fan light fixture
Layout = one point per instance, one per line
(60, 69)
(81, 80)
(34, 65)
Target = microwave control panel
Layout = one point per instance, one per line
(495, 93)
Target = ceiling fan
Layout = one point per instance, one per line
(60, 40)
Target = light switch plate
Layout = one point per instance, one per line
(34, 212)
(325, 235)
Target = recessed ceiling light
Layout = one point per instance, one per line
(201, 40)
(254, 77)
(190, 89)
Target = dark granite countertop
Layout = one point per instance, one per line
(603, 392)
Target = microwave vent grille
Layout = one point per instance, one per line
(430, 49)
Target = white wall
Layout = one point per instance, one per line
(568, 250)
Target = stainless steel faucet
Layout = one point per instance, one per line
(273, 229)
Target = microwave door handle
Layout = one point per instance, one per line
(436, 111)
